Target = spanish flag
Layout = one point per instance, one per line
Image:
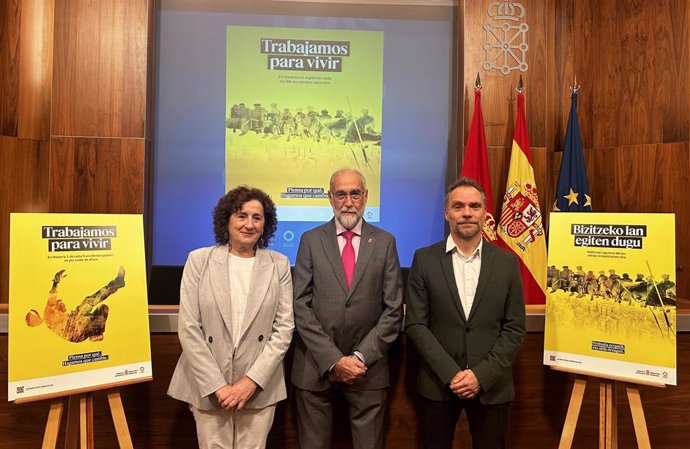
(520, 227)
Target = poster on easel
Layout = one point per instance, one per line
(611, 295)
(78, 316)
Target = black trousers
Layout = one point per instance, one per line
(438, 419)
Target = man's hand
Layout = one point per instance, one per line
(347, 370)
(465, 384)
(234, 396)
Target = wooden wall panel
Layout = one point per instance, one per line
(10, 17)
(633, 62)
(97, 175)
(24, 173)
(100, 68)
(150, 69)
(537, 413)
(26, 34)
(35, 69)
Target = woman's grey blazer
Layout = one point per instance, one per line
(209, 359)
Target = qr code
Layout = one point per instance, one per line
(20, 390)
(552, 358)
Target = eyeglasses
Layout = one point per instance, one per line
(355, 195)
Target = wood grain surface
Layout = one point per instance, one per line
(97, 175)
(101, 57)
(24, 174)
(10, 18)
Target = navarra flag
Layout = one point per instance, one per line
(476, 166)
(572, 193)
(520, 226)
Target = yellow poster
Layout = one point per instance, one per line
(611, 295)
(78, 315)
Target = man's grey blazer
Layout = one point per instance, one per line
(209, 359)
(333, 321)
(447, 341)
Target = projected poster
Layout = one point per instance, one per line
(78, 307)
(300, 104)
(611, 295)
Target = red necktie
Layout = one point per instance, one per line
(348, 257)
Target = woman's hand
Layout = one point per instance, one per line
(235, 396)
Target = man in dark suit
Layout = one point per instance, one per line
(348, 311)
(466, 317)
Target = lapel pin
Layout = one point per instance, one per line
(370, 240)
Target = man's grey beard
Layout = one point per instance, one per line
(348, 221)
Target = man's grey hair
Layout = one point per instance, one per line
(351, 171)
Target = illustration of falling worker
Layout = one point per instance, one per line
(87, 320)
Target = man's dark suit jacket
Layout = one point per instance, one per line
(487, 341)
(331, 320)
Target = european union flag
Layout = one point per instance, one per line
(572, 193)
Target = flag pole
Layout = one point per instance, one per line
(477, 83)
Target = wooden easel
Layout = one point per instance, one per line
(80, 422)
(79, 433)
(608, 417)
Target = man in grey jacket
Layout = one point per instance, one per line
(348, 311)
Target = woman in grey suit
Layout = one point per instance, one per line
(235, 325)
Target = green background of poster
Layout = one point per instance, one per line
(274, 165)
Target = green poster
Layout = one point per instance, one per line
(302, 103)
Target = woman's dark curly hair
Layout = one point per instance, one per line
(232, 202)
